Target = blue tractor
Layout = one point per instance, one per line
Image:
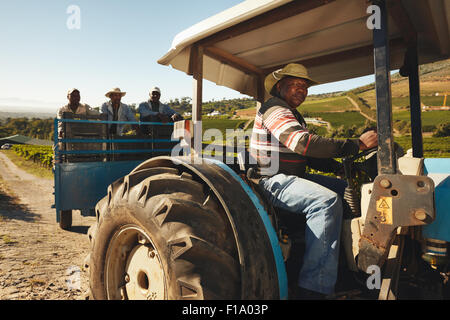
(190, 226)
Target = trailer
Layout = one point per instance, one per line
(88, 159)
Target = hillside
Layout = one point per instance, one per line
(25, 114)
(356, 106)
(434, 81)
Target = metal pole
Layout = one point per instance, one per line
(197, 63)
(386, 158)
(414, 101)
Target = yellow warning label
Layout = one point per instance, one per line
(383, 204)
(384, 207)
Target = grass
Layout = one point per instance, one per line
(29, 166)
(7, 240)
(326, 105)
(221, 124)
(433, 147)
(337, 119)
(402, 102)
(429, 118)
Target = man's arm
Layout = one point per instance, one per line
(171, 113)
(104, 108)
(325, 165)
(90, 111)
(283, 125)
(129, 114)
(60, 124)
(145, 111)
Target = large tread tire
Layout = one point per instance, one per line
(195, 244)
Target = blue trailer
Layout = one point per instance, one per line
(82, 176)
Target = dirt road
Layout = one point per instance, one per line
(38, 260)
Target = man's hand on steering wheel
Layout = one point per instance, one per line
(368, 140)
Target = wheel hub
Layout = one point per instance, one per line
(144, 274)
(133, 267)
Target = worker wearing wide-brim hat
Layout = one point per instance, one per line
(290, 70)
(117, 111)
(283, 148)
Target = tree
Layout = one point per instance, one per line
(443, 130)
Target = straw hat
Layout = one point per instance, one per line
(115, 90)
(292, 69)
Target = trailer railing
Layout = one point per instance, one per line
(151, 143)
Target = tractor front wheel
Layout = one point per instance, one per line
(161, 236)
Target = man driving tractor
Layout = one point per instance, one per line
(279, 129)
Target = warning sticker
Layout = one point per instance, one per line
(384, 207)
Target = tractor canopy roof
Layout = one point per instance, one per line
(330, 37)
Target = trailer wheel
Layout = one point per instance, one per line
(159, 236)
(65, 219)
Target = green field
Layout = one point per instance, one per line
(221, 124)
(435, 101)
(402, 102)
(326, 105)
(432, 147)
(337, 119)
(429, 118)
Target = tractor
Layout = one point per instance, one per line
(191, 226)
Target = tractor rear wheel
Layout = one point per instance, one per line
(161, 235)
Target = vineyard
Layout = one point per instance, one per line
(42, 155)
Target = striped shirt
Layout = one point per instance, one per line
(281, 143)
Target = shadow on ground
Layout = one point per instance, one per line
(79, 229)
(11, 209)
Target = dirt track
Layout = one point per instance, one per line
(38, 260)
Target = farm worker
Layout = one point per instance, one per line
(279, 130)
(74, 106)
(155, 111)
(117, 111)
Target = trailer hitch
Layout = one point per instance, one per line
(396, 201)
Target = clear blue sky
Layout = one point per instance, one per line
(117, 45)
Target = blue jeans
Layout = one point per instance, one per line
(319, 199)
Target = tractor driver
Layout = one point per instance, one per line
(279, 128)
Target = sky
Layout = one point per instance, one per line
(117, 44)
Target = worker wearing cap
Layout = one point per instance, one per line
(160, 111)
(117, 111)
(280, 134)
(74, 106)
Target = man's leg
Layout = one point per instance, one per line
(334, 184)
(323, 210)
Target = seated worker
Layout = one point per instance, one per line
(279, 129)
(117, 111)
(155, 111)
(74, 106)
